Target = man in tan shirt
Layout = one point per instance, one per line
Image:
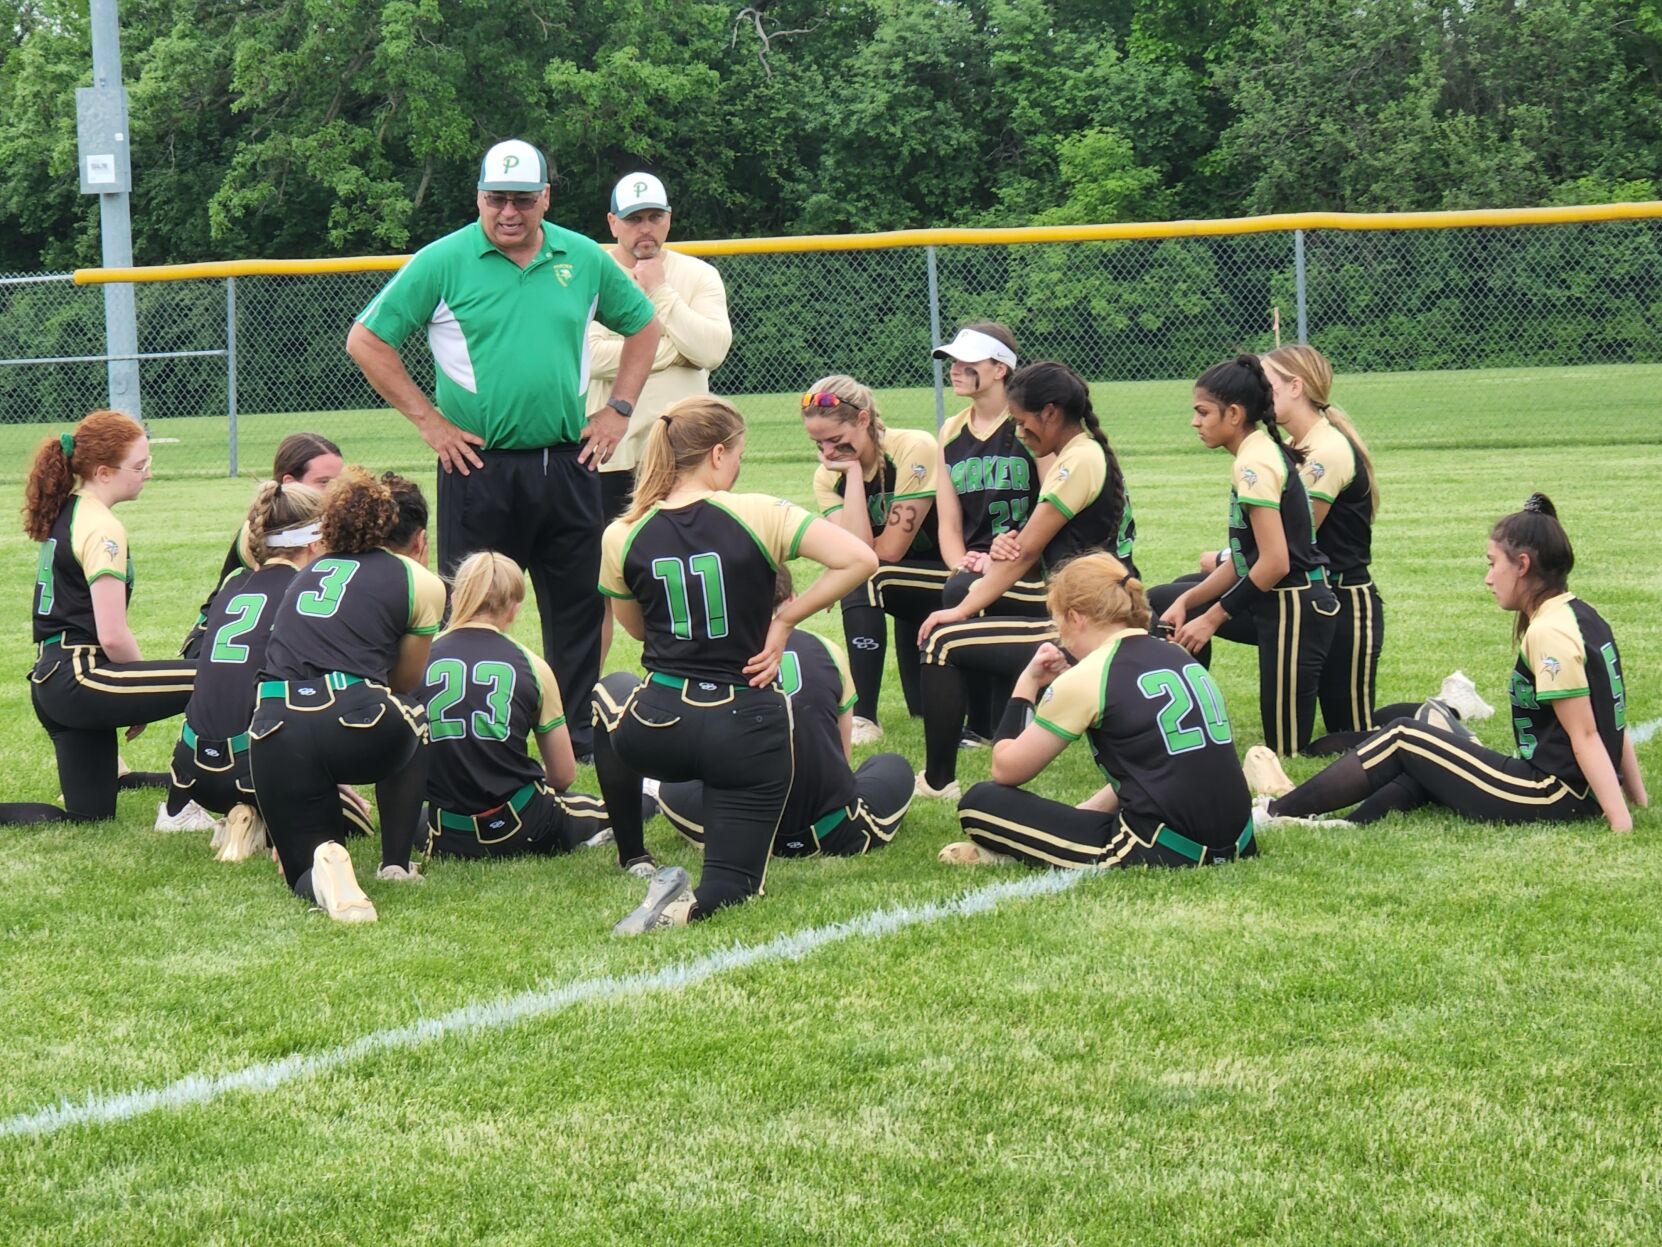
(690, 305)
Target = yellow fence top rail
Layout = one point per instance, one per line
(1280, 223)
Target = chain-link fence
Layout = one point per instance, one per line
(1432, 326)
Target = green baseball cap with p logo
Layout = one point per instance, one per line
(638, 192)
(513, 165)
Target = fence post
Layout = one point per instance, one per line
(935, 331)
(1298, 282)
(231, 364)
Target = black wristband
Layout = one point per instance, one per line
(624, 409)
(1017, 715)
(1242, 596)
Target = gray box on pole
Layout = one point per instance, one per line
(101, 139)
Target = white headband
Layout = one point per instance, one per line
(295, 538)
(971, 346)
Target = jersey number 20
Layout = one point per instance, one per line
(1183, 693)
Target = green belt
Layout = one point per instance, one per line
(668, 681)
(280, 688)
(52, 640)
(236, 744)
(1193, 849)
(470, 822)
(823, 825)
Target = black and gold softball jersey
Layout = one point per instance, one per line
(1159, 731)
(905, 470)
(1077, 486)
(233, 652)
(1263, 477)
(1335, 473)
(994, 477)
(703, 575)
(814, 674)
(486, 694)
(1567, 651)
(348, 612)
(87, 543)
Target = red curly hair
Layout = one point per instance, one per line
(101, 441)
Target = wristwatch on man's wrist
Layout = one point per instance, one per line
(624, 409)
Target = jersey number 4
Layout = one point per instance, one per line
(451, 675)
(675, 573)
(1194, 687)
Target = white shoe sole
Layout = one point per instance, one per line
(244, 834)
(969, 853)
(1263, 772)
(668, 886)
(952, 791)
(336, 888)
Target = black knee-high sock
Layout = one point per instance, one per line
(177, 798)
(1340, 785)
(303, 887)
(908, 659)
(944, 698)
(866, 629)
(620, 787)
(398, 800)
(1401, 794)
(145, 779)
(27, 813)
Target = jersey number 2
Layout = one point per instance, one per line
(674, 573)
(243, 613)
(1182, 694)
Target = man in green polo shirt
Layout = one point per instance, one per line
(506, 303)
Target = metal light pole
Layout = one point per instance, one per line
(106, 171)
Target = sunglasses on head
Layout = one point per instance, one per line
(824, 399)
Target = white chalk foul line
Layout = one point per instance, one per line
(1639, 735)
(509, 1010)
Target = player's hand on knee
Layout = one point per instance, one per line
(974, 561)
(938, 619)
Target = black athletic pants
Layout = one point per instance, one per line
(1293, 629)
(990, 693)
(550, 823)
(217, 777)
(883, 794)
(542, 509)
(303, 745)
(737, 740)
(1042, 832)
(82, 699)
(1408, 764)
(999, 646)
(909, 592)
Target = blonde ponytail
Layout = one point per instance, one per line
(1307, 364)
(681, 437)
(488, 584)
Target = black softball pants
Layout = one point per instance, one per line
(547, 824)
(735, 739)
(998, 646)
(909, 592)
(215, 774)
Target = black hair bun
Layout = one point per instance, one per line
(1540, 504)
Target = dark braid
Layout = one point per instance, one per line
(1045, 382)
(1242, 382)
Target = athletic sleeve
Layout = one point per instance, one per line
(1329, 464)
(826, 497)
(426, 600)
(1073, 702)
(100, 541)
(612, 543)
(1554, 651)
(551, 713)
(777, 524)
(1076, 478)
(406, 303)
(1259, 473)
(622, 306)
(916, 463)
(839, 659)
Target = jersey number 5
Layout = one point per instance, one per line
(675, 573)
(1182, 694)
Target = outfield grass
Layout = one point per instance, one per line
(1429, 1031)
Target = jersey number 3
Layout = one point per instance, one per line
(323, 601)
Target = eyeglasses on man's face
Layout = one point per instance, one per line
(521, 201)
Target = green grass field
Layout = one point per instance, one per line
(1426, 1032)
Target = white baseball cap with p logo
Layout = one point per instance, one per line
(513, 165)
(638, 192)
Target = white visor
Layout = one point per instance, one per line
(972, 346)
(295, 538)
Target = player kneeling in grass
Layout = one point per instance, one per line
(832, 809)
(1569, 714)
(210, 760)
(1156, 724)
(682, 567)
(89, 679)
(349, 643)
(486, 693)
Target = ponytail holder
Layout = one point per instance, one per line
(67, 442)
(664, 418)
(1124, 580)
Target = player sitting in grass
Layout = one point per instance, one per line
(1574, 757)
(1156, 724)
